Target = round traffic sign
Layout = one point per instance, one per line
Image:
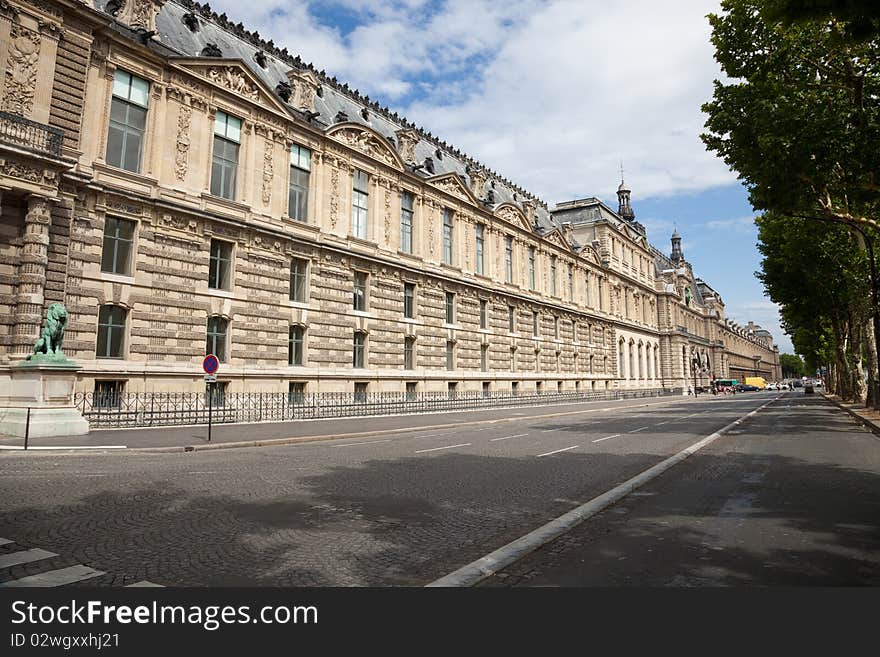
(210, 364)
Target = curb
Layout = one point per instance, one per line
(871, 425)
(270, 442)
(476, 571)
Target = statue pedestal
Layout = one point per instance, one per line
(45, 385)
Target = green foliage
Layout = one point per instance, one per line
(798, 118)
(792, 365)
(861, 16)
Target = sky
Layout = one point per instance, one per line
(553, 95)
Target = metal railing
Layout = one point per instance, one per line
(154, 409)
(19, 131)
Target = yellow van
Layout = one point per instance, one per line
(757, 381)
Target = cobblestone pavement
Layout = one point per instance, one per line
(790, 498)
(398, 510)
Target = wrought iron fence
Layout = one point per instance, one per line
(154, 409)
(19, 131)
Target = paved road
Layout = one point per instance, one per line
(227, 433)
(392, 510)
(791, 498)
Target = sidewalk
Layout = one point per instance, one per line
(192, 438)
(869, 417)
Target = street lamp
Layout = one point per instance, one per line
(695, 365)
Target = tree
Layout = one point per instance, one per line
(862, 20)
(816, 273)
(799, 120)
(792, 366)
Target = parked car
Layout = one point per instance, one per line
(797, 384)
(773, 386)
(745, 387)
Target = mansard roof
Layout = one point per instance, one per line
(336, 102)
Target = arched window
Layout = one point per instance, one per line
(632, 358)
(620, 362)
(218, 328)
(111, 332)
(640, 362)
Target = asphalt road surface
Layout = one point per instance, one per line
(800, 479)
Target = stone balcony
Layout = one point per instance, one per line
(24, 134)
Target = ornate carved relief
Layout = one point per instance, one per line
(184, 118)
(478, 181)
(450, 186)
(235, 80)
(122, 205)
(178, 223)
(267, 171)
(510, 215)
(137, 13)
(23, 172)
(367, 143)
(21, 70)
(388, 217)
(334, 196)
(304, 87)
(406, 144)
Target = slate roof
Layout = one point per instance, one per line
(174, 37)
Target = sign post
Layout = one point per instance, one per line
(211, 364)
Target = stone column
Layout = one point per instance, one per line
(31, 276)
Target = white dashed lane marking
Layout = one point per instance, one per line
(519, 435)
(437, 449)
(556, 451)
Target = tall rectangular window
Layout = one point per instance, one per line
(298, 196)
(360, 291)
(535, 324)
(508, 259)
(531, 268)
(570, 283)
(480, 231)
(484, 312)
(224, 167)
(220, 266)
(484, 358)
(409, 300)
(299, 271)
(450, 308)
(128, 120)
(408, 353)
(406, 222)
(450, 355)
(587, 290)
(553, 275)
(511, 319)
(360, 348)
(118, 240)
(295, 345)
(360, 203)
(447, 236)
(111, 332)
(556, 328)
(216, 340)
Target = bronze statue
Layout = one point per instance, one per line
(49, 342)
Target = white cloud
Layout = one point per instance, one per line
(744, 225)
(765, 313)
(551, 94)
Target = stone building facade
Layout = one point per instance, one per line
(185, 187)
